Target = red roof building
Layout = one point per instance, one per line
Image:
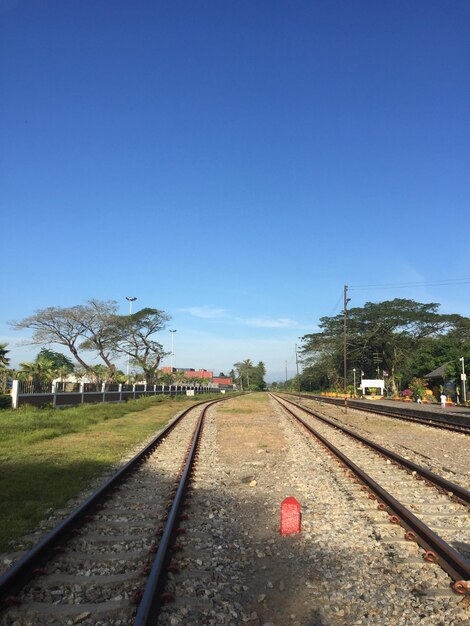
(189, 373)
(222, 380)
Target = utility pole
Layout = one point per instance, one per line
(345, 348)
(286, 372)
(297, 367)
(464, 381)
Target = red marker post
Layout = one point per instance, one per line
(290, 516)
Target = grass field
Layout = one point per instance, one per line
(48, 456)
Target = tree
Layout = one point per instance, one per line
(132, 335)
(57, 325)
(249, 376)
(4, 360)
(97, 320)
(4, 363)
(382, 335)
(96, 326)
(180, 377)
(46, 366)
(36, 372)
(257, 378)
(243, 369)
(165, 378)
(60, 364)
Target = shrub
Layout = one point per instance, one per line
(419, 387)
(5, 401)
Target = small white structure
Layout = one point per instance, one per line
(370, 383)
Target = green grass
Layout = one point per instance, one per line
(48, 456)
(258, 396)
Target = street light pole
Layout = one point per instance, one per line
(172, 335)
(464, 380)
(130, 299)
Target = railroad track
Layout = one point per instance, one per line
(437, 519)
(107, 562)
(136, 553)
(447, 422)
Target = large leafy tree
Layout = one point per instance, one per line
(98, 319)
(382, 336)
(57, 325)
(243, 370)
(250, 376)
(257, 378)
(96, 326)
(133, 335)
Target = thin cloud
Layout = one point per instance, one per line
(280, 322)
(205, 312)
(212, 313)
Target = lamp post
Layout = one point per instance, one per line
(463, 377)
(172, 335)
(130, 299)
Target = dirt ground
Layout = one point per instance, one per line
(334, 572)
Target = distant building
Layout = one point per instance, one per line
(439, 382)
(188, 372)
(221, 381)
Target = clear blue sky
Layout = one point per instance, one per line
(234, 163)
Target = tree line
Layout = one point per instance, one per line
(94, 329)
(400, 339)
(249, 377)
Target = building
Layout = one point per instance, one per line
(222, 381)
(439, 382)
(188, 372)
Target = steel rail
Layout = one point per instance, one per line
(442, 483)
(398, 413)
(437, 550)
(21, 572)
(147, 612)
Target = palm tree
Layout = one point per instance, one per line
(4, 360)
(180, 377)
(38, 371)
(47, 366)
(244, 369)
(4, 371)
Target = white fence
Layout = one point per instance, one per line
(66, 394)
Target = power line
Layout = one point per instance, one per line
(430, 283)
(335, 308)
